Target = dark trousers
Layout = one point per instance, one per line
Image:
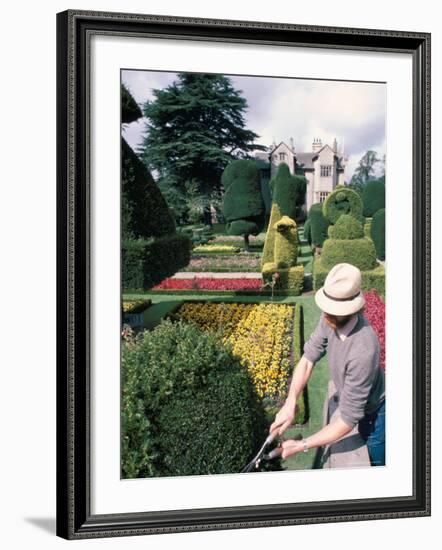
(372, 430)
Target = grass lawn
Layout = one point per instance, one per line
(317, 387)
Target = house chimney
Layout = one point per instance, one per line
(316, 145)
(335, 146)
(292, 145)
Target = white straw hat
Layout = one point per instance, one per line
(341, 293)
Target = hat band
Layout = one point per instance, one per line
(341, 299)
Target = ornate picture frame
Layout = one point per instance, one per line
(75, 30)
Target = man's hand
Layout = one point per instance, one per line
(283, 419)
(291, 447)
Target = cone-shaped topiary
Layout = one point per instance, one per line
(318, 225)
(377, 231)
(243, 205)
(286, 242)
(308, 231)
(342, 200)
(347, 227)
(373, 197)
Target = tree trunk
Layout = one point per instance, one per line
(246, 243)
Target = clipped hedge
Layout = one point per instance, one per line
(358, 252)
(367, 227)
(342, 200)
(377, 232)
(373, 197)
(188, 405)
(301, 415)
(347, 227)
(286, 242)
(145, 263)
(318, 225)
(291, 278)
(371, 279)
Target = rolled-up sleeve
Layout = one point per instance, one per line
(316, 345)
(359, 378)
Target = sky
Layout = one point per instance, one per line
(282, 108)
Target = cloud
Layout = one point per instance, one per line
(280, 108)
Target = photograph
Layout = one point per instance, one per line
(253, 269)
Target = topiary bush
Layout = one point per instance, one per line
(145, 263)
(318, 225)
(347, 227)
(188, 405)
(358, 252)
(308, 231)
(377, 232)
(243, 204)
(286, 242)
(373, 197)
(342, 200)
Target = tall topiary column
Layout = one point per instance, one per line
(373, 197)
(243, 204)
(377, 231)
(318, 225)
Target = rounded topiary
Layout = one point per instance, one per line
(347, 227)
(358, 252)
(373, 197)
(342, 200)
(377, 231)
(318, 225)
(188, 405)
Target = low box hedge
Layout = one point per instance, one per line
(289, 278)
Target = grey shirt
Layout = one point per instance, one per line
(354, 366)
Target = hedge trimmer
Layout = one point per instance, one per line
(262, 455)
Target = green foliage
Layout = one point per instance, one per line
(286, 242)
(371, 279)
(358, 252)
(367, 227)
(318, 225)
(195, 127)
(243, 205)
(347, 227)
(373, 196)
(145, 263)
(130, 112)
(149, 214)
(289, 278)
(377, 232)
(188, 405)
(298, 349)
(286, 194)
(342, 201)
(308, 231)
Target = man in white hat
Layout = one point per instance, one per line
(353, 351)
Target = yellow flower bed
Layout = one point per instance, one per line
(260, 334)
(216, 248)
(130, 305)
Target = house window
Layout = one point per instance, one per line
(323, 195)
(282, 156)
(326, 170)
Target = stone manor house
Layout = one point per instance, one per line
(323, 166)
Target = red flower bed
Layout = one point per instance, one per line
(209, 283)
(375, 313)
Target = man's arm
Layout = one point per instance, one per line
(330, 433)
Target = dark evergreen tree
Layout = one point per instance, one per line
(373, 196)
(195, 127)
(243, 204)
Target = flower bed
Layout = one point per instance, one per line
(209, 283)
(216, 249)
(224, 262)
(135, 306)
(260, 334)
(375, 313)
